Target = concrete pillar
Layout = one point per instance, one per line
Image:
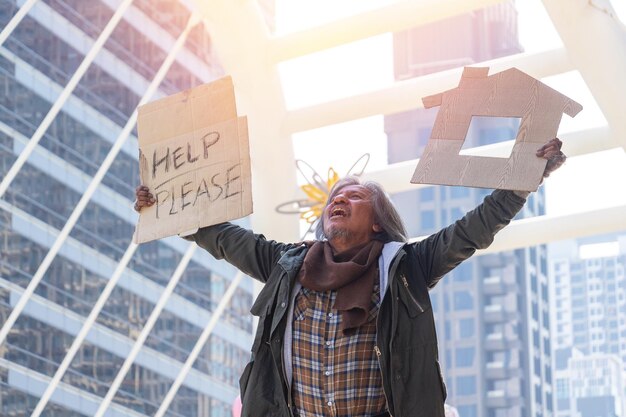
(596, 43)
(240, 38)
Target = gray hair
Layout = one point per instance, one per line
(385, 213)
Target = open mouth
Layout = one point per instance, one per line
(338, 212)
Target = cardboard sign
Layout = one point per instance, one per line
(194, 158)
(510, 93)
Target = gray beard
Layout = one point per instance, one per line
(338, 233)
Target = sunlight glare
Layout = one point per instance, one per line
(297, 15)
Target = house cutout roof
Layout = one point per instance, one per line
(510, 93)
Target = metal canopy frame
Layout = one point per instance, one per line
(590, 34)
(251, 56)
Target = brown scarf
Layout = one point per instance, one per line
(352, 273)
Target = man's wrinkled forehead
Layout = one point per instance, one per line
(350, 188)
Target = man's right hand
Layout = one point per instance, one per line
(143, 198)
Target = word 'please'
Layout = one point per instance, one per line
(207, 188)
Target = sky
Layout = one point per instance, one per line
(584, 183)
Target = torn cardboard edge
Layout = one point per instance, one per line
(510, 93)
(195, 159)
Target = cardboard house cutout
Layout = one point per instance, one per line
(509, 93)
(194, 157)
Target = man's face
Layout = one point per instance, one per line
(349, 217)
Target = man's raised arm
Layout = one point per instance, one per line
(443, 251)
(250, 253)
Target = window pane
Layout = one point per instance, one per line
(465, 356)
(466, 385)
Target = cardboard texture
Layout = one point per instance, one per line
(194, 158)
(509, 93)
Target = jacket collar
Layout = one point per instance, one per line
(390, 251)
(292, 259)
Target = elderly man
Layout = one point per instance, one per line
(345, 323)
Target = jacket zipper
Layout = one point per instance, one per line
(392, 271)
(378, 355)
(282, 356)
(289, 399)
(406, 285)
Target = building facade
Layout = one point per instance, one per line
(589, 385)
(589, 324)
(492, 311)
(589, 291)
(36, 62)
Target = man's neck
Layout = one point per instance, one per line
(342, 245)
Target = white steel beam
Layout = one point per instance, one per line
(540, 230)
(404, 14)
(545, 229)
(65, 94)
(84, 330)
(100, 336)
(95, 182)
(15, 20)
(406, 95)
(71, 398)
(78, 210)
(596, 43)
(240, 39)
(169, 397)
(147, 328)
(395, 178)
(135, 283)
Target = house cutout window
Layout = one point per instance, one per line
(507, 94)
(485, 132)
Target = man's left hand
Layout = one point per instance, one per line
(552, 152)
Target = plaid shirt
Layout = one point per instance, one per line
(334, 374)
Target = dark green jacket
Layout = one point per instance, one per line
(406, 338)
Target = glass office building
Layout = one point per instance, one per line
(492, 311)
(589, 325)
(492, 316)
(36, 62)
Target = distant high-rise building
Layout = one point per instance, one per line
(589, 325)
(589, 385)
(589, 290)
(492, 312)
(36, 62)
